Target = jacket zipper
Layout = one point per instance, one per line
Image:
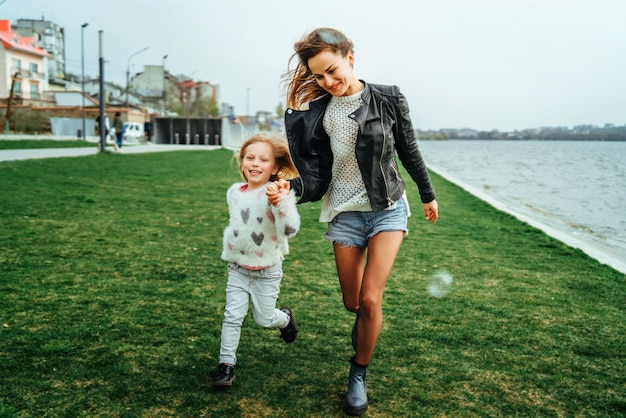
(382, 150)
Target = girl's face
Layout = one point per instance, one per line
(333, 72)
(258, 164)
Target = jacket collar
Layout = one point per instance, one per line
(367, 93)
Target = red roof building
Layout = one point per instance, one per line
(23, 62)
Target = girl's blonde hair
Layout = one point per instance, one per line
(280, 150)
(302, 87)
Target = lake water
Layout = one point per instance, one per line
(573, 190)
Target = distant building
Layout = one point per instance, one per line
(190, 90)
(50, 37)
(22, 58)
(465, 133)
(149, 83)
(154, 87)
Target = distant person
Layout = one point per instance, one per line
(107, 126)
(118, 125)
(147, 128)
(255, 242)
(345, 136)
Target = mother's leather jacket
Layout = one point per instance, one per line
(385, 130)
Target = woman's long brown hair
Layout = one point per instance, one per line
(302, 87)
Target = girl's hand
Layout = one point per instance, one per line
(273, 196)
(276, 191)
(431, 211)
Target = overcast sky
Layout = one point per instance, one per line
(484, 64)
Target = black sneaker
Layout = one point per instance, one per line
(290, 332)
(224, 375)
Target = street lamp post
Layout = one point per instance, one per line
(103, 142)
(82, 58)
(128, 71)
(164, 94)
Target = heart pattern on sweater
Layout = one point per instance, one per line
(258, 239)
(245, 215)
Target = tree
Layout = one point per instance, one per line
(195, 99)
(280, 110)
(8, 114)
(212, 109)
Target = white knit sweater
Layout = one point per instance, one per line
(257, 232)
(346, 191)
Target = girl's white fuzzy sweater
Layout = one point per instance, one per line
(257, 232)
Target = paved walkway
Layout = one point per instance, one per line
(28, 154)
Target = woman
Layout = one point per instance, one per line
(118, 126)
(344, 135)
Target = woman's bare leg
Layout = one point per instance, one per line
(363, 284)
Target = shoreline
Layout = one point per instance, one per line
(599, 254)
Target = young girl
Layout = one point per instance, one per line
(255, 242)
(344, 136)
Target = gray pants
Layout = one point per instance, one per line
(262, 288)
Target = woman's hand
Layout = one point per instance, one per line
(431, 211)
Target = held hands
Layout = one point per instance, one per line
(431, 211)
(276, 191)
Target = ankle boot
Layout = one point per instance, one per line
(356, 399)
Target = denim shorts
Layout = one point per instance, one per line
(354, 229)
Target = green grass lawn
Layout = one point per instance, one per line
(112, 296)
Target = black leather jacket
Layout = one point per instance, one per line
(385, 130)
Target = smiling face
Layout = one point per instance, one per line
(258, 164)
(333, 72)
